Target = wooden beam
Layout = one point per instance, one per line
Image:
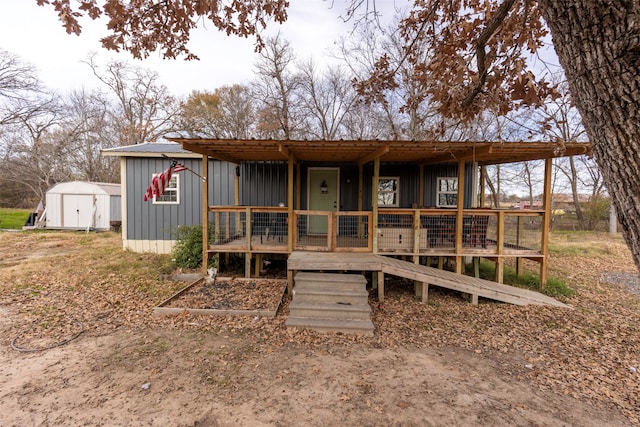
(467, 155)
(374, 155)
(211, 153)
(288, 154)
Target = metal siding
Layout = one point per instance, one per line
(469, 170)
(102, 215)
(432, 173)
(349, 188)
(263, 183)
(221, 177)
(54, 209)
(147, 221)
(115, 208)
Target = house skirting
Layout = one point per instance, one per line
(154, 246)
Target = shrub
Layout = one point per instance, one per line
(187, 253)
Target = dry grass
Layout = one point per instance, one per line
(591, 352)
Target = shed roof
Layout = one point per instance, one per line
(363, 151)
(86, 187)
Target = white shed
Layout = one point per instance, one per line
(80, 205)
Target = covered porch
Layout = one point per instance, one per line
(423, 235)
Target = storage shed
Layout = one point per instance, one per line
(80, 205)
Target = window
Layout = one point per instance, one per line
(447, 195)
(171, 194)
(388, 193)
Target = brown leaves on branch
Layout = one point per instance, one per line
(478, 52)
(144, 26)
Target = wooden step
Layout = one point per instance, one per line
(345, 326)
(330, 281)
(310, 295)
(330, 311)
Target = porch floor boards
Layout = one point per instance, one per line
(300, 260)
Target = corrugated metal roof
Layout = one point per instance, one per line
(363, 151)
(149, 149)
(109, 188)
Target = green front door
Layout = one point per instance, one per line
(323, 196)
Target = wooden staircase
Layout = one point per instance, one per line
(331, 302)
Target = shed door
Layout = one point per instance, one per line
(77, 210)
(323, 196)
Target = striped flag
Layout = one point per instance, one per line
(160, 181)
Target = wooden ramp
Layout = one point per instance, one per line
(420, 273)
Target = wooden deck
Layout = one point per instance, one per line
(424, 275)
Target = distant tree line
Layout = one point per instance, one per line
(48, 137)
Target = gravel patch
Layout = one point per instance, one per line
(630, 280)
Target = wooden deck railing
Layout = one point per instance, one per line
(486, 232)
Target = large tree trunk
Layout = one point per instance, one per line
(598, 43)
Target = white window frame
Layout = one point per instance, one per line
(395, 192)
(447, 191)
(172, 188)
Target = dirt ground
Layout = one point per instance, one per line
(441, 364)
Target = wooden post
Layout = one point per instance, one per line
(205, 213)
(258, 264)
(380, 286)
(546, 221)
(247, 259)
(459, 218)
(416, 236)
(483, 177)
(422, 291)
(290, 224)
(247, 264)
(519, 266)
(374, 202)
(290, 274)
(500, 243)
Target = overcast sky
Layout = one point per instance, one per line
(35, 34)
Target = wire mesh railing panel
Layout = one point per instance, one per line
(269, 228)
(226, 227)
(474, 230)
(395, 232)
(312, 231)
(523, 232)
(437, 231)
(352, 230)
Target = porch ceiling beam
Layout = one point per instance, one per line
(464, 156)
(374, 155)
(524, 157)
(211, 153)
(288, 154)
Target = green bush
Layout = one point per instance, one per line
(187, 253)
